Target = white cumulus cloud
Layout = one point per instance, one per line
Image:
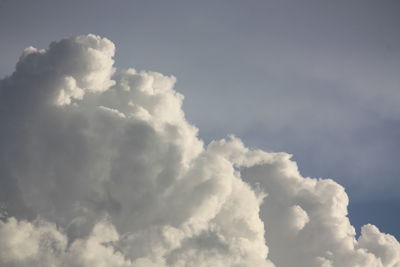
(99, 167)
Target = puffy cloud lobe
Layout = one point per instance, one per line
(101, 168)
(25, 244)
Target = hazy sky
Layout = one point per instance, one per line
(318, 79)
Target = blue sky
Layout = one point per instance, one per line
(318, 79)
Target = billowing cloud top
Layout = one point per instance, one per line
(99, 167)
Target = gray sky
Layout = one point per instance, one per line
(318, 79)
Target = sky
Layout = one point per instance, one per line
(316, 79)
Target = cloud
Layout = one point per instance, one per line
(99, 167)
